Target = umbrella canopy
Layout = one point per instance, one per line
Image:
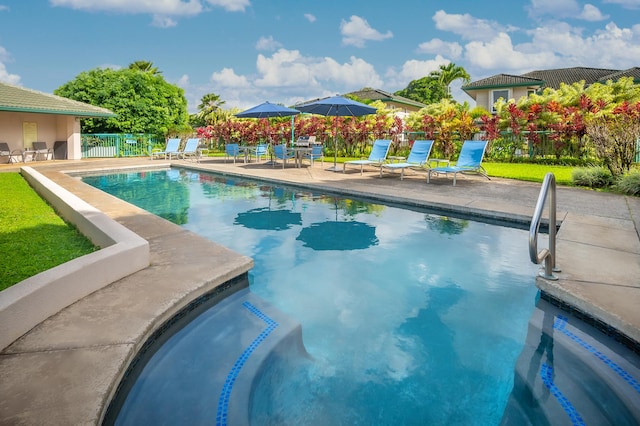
(335, 106)
(338, 236)
(265, 218)
(266, 110)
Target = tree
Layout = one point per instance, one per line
(427, 90)
(449, 73)
(209, 109)
(144, 66)
(143, 101)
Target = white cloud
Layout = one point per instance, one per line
(592, 13)
(500, 54)
(310, 17)
(467, 26)
(437, 46)
(4, 74)
(357, 32)
(267, 43)
(412, 70)
(3, 8)
(153, 7)
(228, 78)
(163, 21)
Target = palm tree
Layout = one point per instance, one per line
(144, 66)
(449, 73)
(210, 105)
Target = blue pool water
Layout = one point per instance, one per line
(408, 317)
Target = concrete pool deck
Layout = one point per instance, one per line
(67, 369)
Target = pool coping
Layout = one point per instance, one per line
(78, 370)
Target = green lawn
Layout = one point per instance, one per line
(33, 238)
(529, 172)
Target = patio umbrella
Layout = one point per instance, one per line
(332, 235)
(336, 106)
(265, 218)
(267, 110)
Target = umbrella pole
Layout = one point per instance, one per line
(335, 148)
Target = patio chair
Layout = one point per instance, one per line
(282, 153)
(191, 150)
(317, 151)
(171, 149)
(261, 150)
(231, 150)
(418, 157)
(377, 156)
(5, 151)
(41, 151)
(469, 161)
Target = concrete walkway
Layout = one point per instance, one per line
(67, 369)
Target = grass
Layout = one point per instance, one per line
(33, 238)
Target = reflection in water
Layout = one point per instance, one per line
(338, 236)
(265, 218)
(446, 225)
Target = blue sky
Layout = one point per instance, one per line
(250, 51)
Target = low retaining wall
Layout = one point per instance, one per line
(28, 303)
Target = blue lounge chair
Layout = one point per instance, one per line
(418, 157)
(469, 161)
(171, 148)
(282, 153)
(191, 150)
(377, 156)
(261, 150)
(231, 150)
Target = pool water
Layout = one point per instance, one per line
(408, 317)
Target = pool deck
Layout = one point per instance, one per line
(66, 369)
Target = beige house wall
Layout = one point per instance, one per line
(48, 128)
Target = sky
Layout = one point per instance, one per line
(287, 51)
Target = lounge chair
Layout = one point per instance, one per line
(5, 151)
(418, 157)
(261, 150)
(171, 149)
(231, 150)
(282, 153)
(377, 156)
(41, 151)
(191, 150)
(469, 161)
(317, 151)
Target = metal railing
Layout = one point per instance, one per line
(546, 255)
(109, 145)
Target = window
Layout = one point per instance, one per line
(497, 94)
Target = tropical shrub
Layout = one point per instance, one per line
(592, 177)
(629, 183)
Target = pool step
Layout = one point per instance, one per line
(571, 373)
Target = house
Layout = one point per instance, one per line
(28, 116)
(399, 104)
(488, 90)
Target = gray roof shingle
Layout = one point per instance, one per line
(19, 99)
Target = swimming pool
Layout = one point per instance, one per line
(420, 321)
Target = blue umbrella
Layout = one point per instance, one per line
(266, 110)
(336, 106)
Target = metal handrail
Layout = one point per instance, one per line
(548, 255)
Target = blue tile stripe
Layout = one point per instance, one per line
(560, 325)
(546, 373)
(225, 394)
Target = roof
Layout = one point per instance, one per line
(19, 99)
(381, 95)
(553, 78)
(503, 80)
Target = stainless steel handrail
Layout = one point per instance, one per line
(548, 255)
